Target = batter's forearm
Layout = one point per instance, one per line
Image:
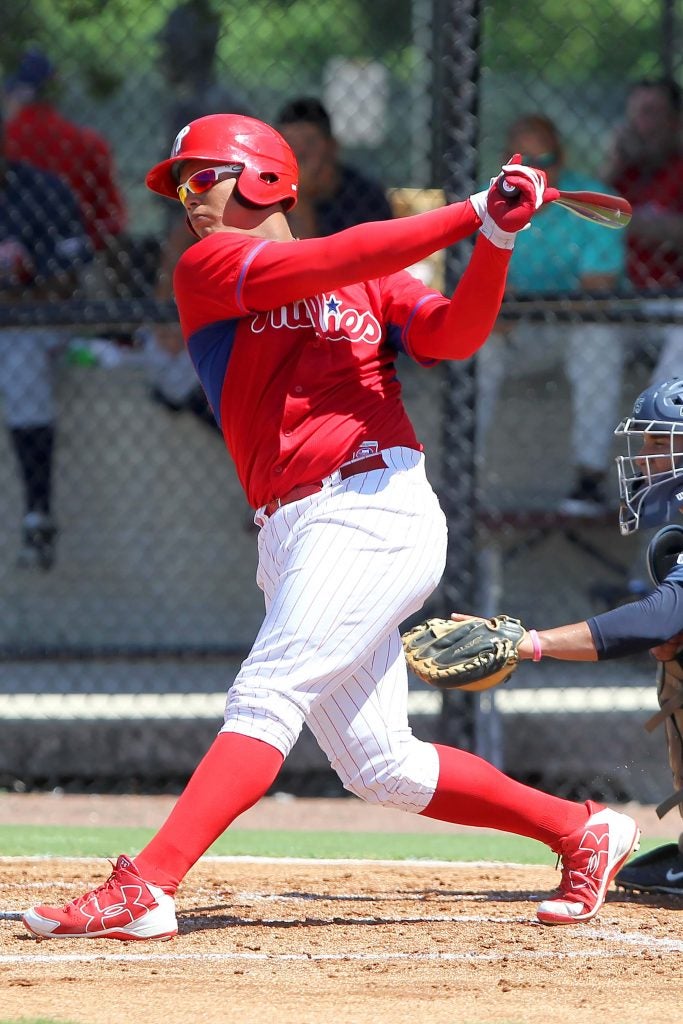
(457, 330)
(284, 272)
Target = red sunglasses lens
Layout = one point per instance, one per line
(202, 181)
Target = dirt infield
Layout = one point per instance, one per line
(358, 943)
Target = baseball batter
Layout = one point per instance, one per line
(295, 343)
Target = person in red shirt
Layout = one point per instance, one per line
(295, 343)
(645, 165)
(195, 85)
(37, 133)
(43, 252)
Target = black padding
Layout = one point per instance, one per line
(663, 552)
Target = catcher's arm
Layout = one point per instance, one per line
(466, 652)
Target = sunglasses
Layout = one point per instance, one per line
(542, 160)
(202, 181)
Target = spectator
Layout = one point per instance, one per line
(43, 246)
(188, 43)
(332, 195)
(37, 133)
(187, 59)
(561, 254)
(645, 164)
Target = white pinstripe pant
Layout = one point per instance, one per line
(340, 570)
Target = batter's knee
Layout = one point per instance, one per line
(263, 713)
(405, 781)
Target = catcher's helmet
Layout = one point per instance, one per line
(649, 497)
(270, 172)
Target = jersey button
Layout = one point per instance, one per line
(298, 389)
(287, 433)
(278, 469)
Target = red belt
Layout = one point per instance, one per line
(345, 471)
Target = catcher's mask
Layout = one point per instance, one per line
(651, 485)
(269, 172)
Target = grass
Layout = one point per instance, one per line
(51, 841)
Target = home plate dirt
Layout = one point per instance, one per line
(356, 943)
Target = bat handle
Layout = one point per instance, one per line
(506, 189)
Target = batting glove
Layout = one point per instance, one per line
(503, 216)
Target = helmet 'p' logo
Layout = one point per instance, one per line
(175, 149)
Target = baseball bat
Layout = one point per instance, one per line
(609, 211)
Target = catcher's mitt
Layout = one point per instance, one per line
(475, 654)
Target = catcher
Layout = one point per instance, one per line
(476, 654)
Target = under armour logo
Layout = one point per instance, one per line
(598, 851)
(116, 914)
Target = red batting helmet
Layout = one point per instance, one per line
(270, 171)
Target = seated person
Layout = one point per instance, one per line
(332, 196)
(561, 253)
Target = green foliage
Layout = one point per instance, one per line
(263, 43)
(21, 23)
(269, 41)
(575, 41)
(90, 33)
(266, 43)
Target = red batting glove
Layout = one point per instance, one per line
(503, 216)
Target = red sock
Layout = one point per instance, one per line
(234, 773)
(470, 791)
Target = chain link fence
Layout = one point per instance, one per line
(127, 551)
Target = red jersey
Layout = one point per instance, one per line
(649, 265)
(300, 386)
(39, 135)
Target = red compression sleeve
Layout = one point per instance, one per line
(470, 791)
(283, 272)
(457, 330)
(234, 773)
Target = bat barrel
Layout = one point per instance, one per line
(608, 211)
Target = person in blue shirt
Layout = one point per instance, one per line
(561, 255)
(43, 246)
